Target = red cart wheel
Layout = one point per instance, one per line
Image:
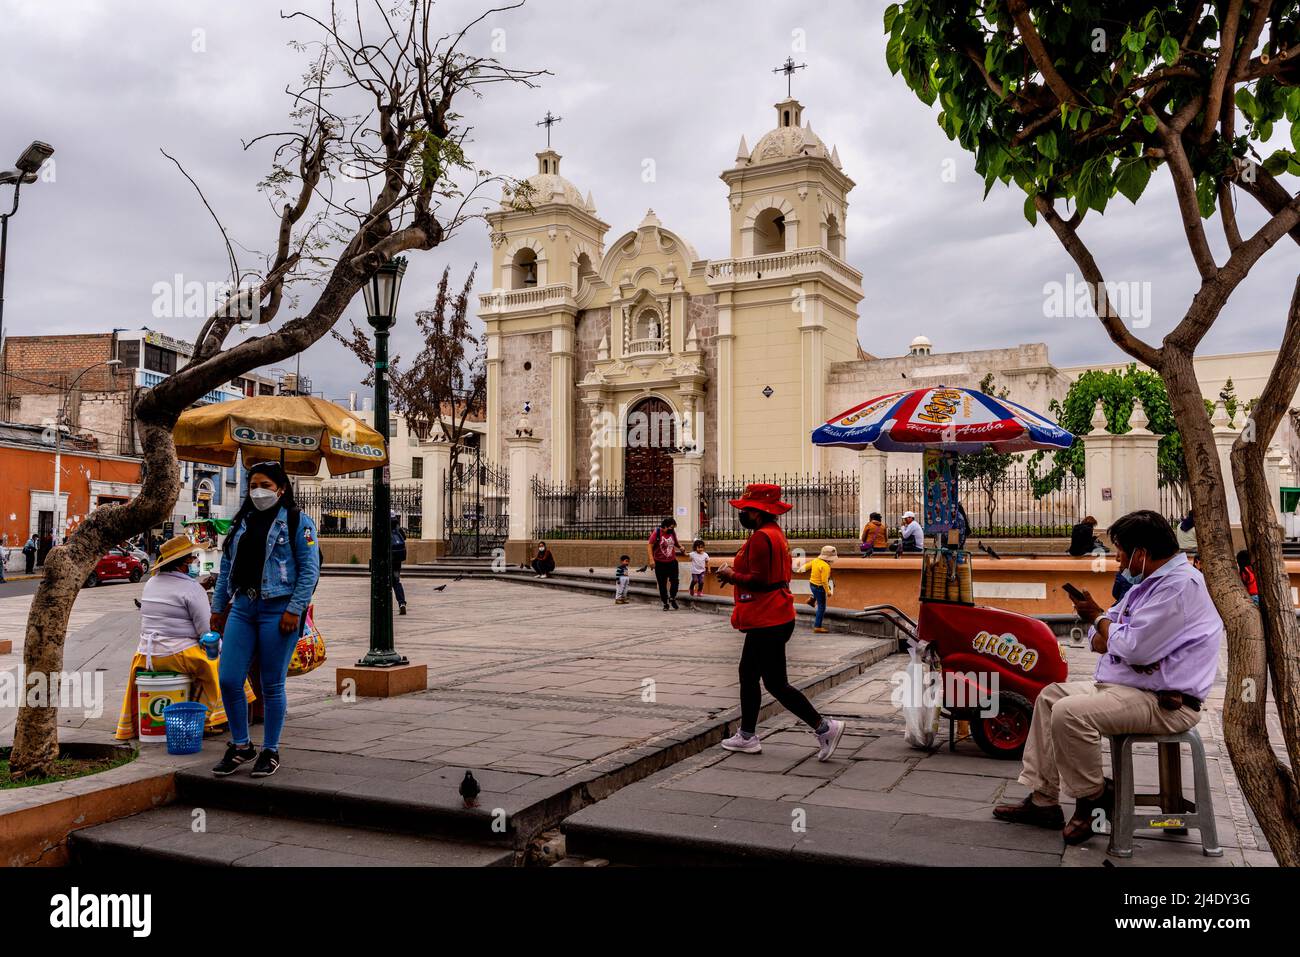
(1004, 735)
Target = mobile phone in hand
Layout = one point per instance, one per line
(1074, 592)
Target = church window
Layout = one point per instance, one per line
(834, 237)
(785, 118)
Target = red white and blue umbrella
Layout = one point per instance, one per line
(949, 419)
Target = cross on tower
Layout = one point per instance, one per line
(548, 121)
(788, 68)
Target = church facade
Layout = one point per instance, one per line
(629, 349)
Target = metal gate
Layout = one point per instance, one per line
(477, 494)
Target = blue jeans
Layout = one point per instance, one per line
(253, 628)
(819, 595)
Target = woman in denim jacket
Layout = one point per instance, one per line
(269, 568)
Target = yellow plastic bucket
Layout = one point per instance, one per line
(154, 692)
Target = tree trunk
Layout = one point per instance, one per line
(1264, 783)
(36, 740)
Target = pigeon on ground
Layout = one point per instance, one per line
(441, 587)
(469, 789)
(989, 552)
(137, 602)
(643, 568)
(458, 578)
(591, 571)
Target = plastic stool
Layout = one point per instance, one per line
(1178, 813)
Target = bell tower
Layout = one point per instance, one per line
(546, 240)
(787, 299)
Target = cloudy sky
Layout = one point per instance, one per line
(676, 81)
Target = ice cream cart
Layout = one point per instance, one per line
(992, 662)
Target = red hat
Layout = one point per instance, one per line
(764, 497)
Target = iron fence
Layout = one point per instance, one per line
(345, 511)
(825, 506)
(1013, 512)
(607, 510)
(477, 494)
(1175, 501)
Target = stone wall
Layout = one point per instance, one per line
(520, 385)
(591, 325)
(702, 313)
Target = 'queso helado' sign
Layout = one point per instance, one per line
(280, 440)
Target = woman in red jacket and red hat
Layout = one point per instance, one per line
(764, 611)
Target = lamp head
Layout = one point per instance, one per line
(34, 158)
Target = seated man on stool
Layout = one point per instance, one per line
(1159, 648)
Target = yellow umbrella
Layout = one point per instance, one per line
(297, 431)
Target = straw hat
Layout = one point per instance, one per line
(175, 548)
(829, 554)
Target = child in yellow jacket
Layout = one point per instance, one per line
(819, 577)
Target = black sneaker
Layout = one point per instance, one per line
(401, 609)
(268, 762)
(235, 756)
(665, 607)
(673, 602)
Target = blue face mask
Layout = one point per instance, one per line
(193, 570)
(1134, 578)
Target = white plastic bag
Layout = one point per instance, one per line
(922, 696)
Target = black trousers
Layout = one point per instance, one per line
(397, 581)
(31, 562)
(668, 575)
(763, 659)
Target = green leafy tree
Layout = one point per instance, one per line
(1076, 103)
(1117, 389)
(987, 468)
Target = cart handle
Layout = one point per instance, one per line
(895, 616)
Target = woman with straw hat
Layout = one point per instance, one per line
(764, 611)
(174, 612)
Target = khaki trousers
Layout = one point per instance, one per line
(1070, 717)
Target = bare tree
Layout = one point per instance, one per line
(369, 169)
(447, 382)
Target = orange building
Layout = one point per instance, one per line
(89, 479)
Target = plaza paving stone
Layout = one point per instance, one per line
(543, 693)
(880, 801)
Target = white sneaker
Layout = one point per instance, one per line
(738, 742)
(830, 740)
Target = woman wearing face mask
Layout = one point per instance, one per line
(269, 568)
(764, 611)
(174, 612)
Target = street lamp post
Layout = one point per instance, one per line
(381, 309)
(24, 171)
(58, 441)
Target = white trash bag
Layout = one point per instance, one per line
(921, 696)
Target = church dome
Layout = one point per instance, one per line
(791, 138)
(548, 186)
(920, 346)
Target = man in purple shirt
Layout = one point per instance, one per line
(1159, 648)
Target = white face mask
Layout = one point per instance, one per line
(263, 498)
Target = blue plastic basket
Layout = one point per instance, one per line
(184, 723)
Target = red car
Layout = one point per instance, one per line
(115, 566)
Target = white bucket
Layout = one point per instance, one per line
(153, 694)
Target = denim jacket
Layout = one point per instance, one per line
(292, 568)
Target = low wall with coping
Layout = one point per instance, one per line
(1031, 586)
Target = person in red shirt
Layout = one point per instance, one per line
(1248, 575)
(764, 611)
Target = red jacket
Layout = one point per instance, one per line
(762, 581)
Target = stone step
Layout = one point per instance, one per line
(357, 791)
(207, 835)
